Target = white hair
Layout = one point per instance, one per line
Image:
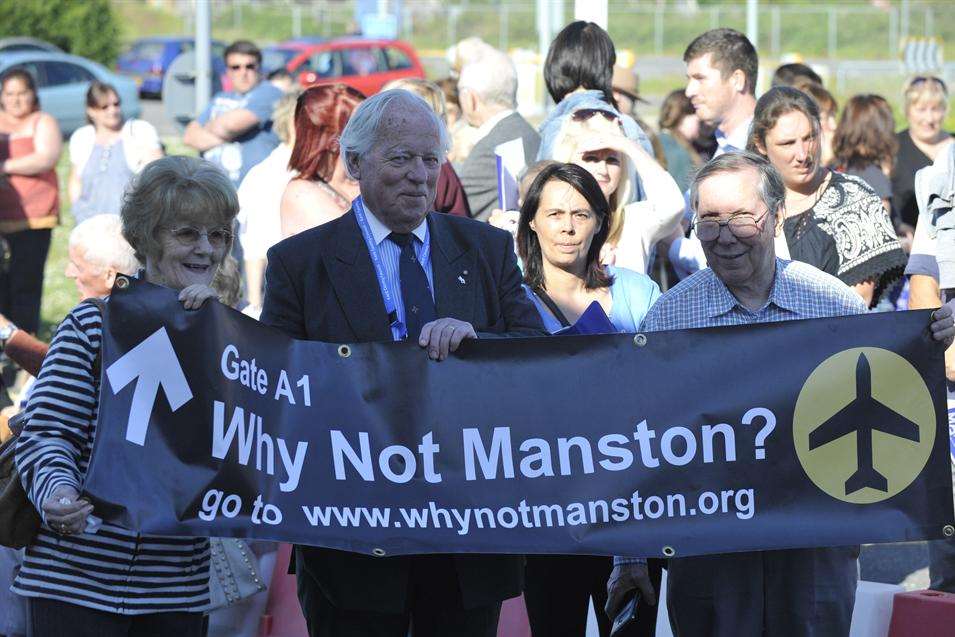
(493, 78)
(361, 131)
(100, 240)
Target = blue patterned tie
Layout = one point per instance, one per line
(415, 292)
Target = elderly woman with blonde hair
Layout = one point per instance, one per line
(593, 138)
(98, 581)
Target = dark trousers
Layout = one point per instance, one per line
(21, 286)
(435, 608)
(51, 618)
(558, 589)
(794, 593)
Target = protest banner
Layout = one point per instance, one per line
(780, 435)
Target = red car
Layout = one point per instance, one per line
(364, 64)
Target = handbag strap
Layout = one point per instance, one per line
(549, 302)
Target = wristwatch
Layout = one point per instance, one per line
(6, 332)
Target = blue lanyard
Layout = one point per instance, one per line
(390, 307)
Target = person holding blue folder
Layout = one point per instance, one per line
(564, 222)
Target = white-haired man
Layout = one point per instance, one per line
(738, 199)
(487, 90)
(391, 269)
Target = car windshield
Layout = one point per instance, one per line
(277, 58)
(147, 50)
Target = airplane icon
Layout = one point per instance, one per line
(862, 416)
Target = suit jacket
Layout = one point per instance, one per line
(321, 285)
(478, 172)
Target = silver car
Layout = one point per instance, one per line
(62, 81)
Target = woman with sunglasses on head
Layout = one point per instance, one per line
(564, 222)
(81, 580)
(926, 105)
(106, 153)
(593, 138)
(822, 206)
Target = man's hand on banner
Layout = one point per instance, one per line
(443, 336)
(65, 511)
(194, 296)
(943, 324)
(624, 578)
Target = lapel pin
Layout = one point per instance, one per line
(461, 280)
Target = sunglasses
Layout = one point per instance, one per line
(586, 113)
(239, 67)
(189, 236)
(921, 79)
(107, 105)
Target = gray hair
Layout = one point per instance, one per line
(100, 240)
(175, 187)
(493, 78)
(360, 132)
(771, 188)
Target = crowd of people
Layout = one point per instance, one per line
(310, 208)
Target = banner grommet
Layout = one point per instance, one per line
(640, 340)
(668, 551)
(377, 552)
(344, 351)
(122, 282)
(948, 530)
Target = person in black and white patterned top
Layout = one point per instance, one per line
(98, 582)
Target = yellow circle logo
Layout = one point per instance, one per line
(864, 425)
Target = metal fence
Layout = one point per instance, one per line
(836, 30)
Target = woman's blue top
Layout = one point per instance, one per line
(631, 294)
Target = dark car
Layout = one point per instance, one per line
(149, 58)
(277, 56)
(362, 63)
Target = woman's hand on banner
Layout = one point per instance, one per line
(194, 296)
(65, 511)
(443, 336)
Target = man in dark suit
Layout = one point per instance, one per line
(487, 91)
(387, 270)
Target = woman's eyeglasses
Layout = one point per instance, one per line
(189, 236)
(584, 114)
(742, 226)
(239, 67)
(921, 79)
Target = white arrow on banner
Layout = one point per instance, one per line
(154, 363)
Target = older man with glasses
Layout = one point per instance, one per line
(235, 130)
(738, 199)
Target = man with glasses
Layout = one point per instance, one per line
(235, 130)
(738, 198)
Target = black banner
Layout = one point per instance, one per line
(799, 434)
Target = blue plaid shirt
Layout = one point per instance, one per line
(800, 291)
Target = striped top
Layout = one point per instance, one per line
(113, 570)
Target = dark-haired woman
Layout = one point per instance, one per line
(106, 153)
(864, 143)
(868, 256)
(322, 191)
(679, 128)
(564, 222)
(30, 145)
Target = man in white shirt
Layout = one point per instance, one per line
(721, 68)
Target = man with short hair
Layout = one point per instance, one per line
(739, 199)
(721, 68)
(391, 269)
(487, 91)
(235, 129)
